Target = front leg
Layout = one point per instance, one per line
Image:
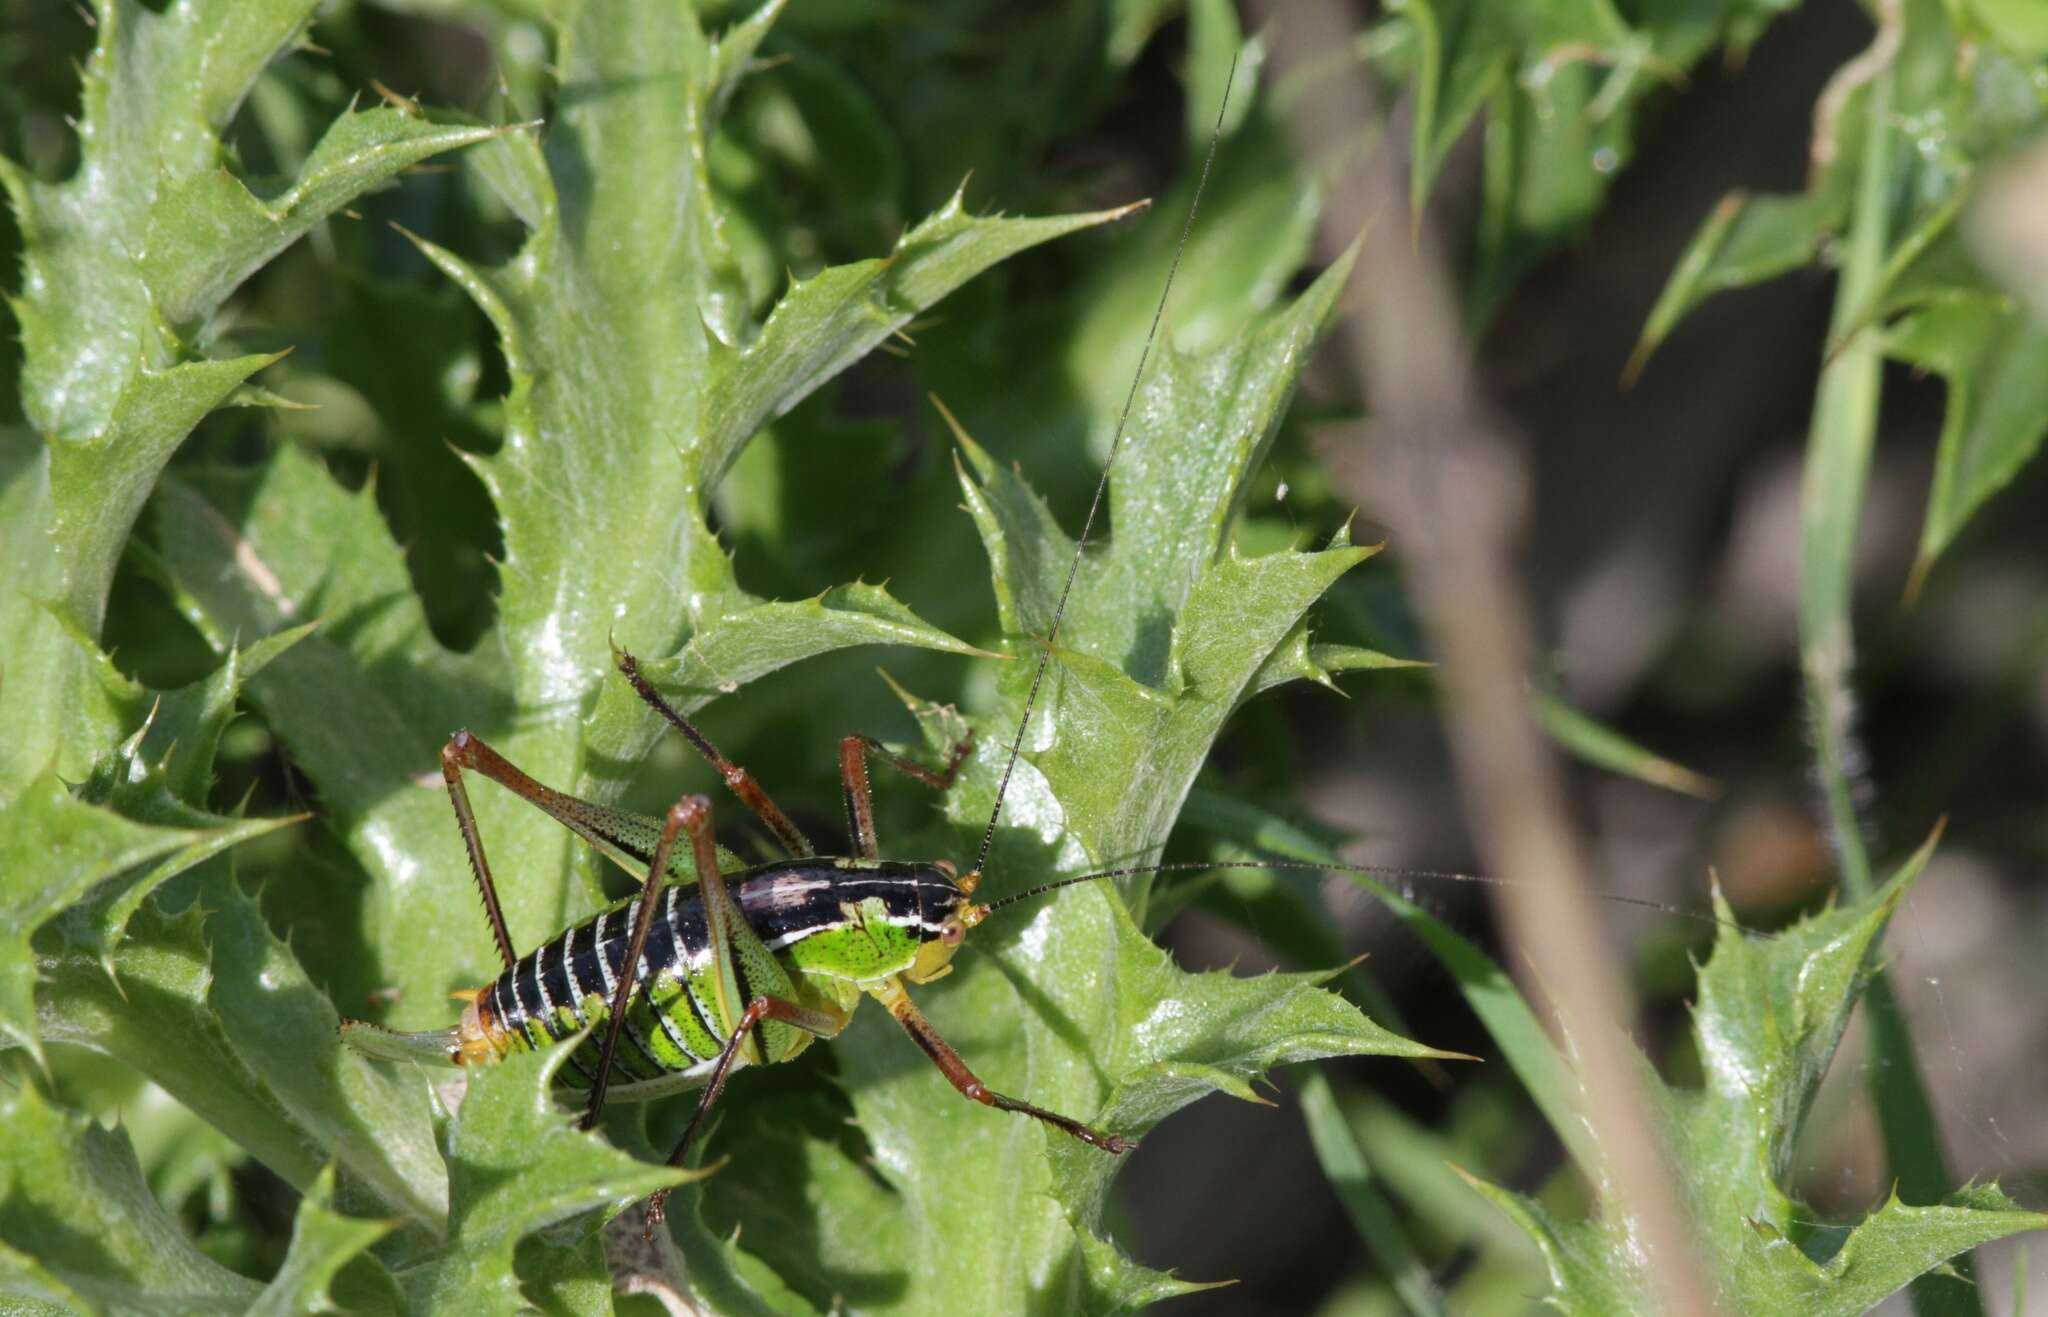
(738, 779)
(892, 995)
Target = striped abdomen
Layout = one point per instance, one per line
(809, 913)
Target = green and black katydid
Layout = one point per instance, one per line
(747, 967)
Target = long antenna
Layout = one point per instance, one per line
(1338, 866)
(988, 836)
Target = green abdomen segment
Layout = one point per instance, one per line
(567, 983)
(807, 913)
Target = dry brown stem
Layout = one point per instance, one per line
(1443, 474)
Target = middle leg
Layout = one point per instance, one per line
(853, 776)
(738, 779)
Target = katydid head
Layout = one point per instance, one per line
(946, 912)
(946, 919)
(935, 956)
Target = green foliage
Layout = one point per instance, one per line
(212, 1006)
(326, 1256)
(122, 265)
(1345, 1161)
(1768, 1020)
(1899, 149)
(1952, 89)
(1168, 630)
(93, 1233)
(516, 1166)
(1562, 85)
(669, 252)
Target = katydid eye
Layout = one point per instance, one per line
(952, 931)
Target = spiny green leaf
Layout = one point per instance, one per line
(515, 1165)
(1172, 1037)
(1112, 1282)
(158, 90)
(1486, 987)
(645, 268)
(1878, 139)
(210, 232)
(365, 702)
(637, 372)
(181, 728)
(1070, 1001)
(159, 776)
(59, 847)
(730, 1280)
(736, 638)
(1203, 421)
(72, 1198)
(1297, 660)
(151, 1013)
(323, 1243)
(97, 485)
(65, 513)
(1777, 1274)
(97, 924)
(1769, 1017)
(137, 247)
(214, 1008)
(1069, 1005)
(141, 228)
(1170, 626)
(825, 324)
(1283, 908)
(1894, 1243)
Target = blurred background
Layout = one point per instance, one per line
(1663, 564)
(1661, 556)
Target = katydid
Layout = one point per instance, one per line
(729, 970)
(750, 967)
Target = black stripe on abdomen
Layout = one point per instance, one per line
(554, 973)
(526, 991)
(613, 949)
